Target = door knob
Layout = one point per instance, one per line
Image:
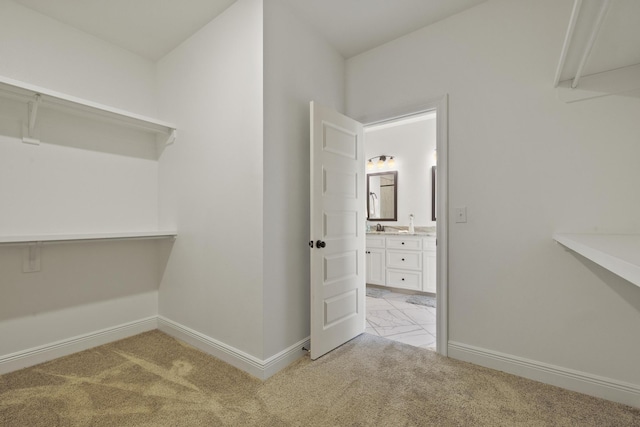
(320, 244)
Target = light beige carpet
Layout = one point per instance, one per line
(154, 380)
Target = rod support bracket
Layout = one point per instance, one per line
(173, 133)
(29, 130)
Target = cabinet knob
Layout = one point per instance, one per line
(403, 259)
(403, 279)
(403, 243)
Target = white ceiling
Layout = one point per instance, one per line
(355, 26)
(149, 28)
(152, 28)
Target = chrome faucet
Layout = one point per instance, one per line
(379, 227)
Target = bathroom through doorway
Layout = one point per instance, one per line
(401, 256)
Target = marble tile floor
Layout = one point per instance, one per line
(393, 318)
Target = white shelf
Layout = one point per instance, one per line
(51, 99)
(619, 253)
(61, 238)
(587, 68)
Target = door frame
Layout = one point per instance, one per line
(441, 106)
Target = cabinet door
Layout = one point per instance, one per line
(429, 271)
(375, 266)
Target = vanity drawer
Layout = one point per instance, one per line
(403, 243)
(404, 259)
(375, 241)
(404, 279)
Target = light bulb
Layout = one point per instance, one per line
(369, 165)
(380, 163)
(391, 162)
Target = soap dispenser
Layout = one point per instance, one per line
(411, 227)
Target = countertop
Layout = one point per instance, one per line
(402, 233)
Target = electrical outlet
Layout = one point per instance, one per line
(461, 214)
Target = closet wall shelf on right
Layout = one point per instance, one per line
(619, 253)
(599, 55)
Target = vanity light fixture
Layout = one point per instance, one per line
(390, 161)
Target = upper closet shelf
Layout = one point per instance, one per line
(61, 238)
(619, 253)
(600, 55)
(38, 97)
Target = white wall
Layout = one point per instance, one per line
(42, 51)
(85, 177)
(299, 67)
(525, 165)
(211, 179)
(412, 145)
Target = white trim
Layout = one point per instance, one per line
(441, 106)
(261, 369)
(33, 356)
(582, 382)
(281, 360)
(442, 225)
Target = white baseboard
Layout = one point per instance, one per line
(33, 356)
(259, 368)
(262, 369)
(581, 382)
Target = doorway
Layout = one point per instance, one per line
(401, 229)
(337, 275)
(421, 190)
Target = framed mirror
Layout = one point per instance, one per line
(382, 202)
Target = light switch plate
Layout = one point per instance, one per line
(461, 214)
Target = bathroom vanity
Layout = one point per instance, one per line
(401, 260)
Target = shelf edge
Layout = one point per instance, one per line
(626, 269)
(62, 238)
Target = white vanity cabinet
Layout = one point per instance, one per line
(402, 261)
(375, 260)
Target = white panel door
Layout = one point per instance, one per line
(337, 230)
